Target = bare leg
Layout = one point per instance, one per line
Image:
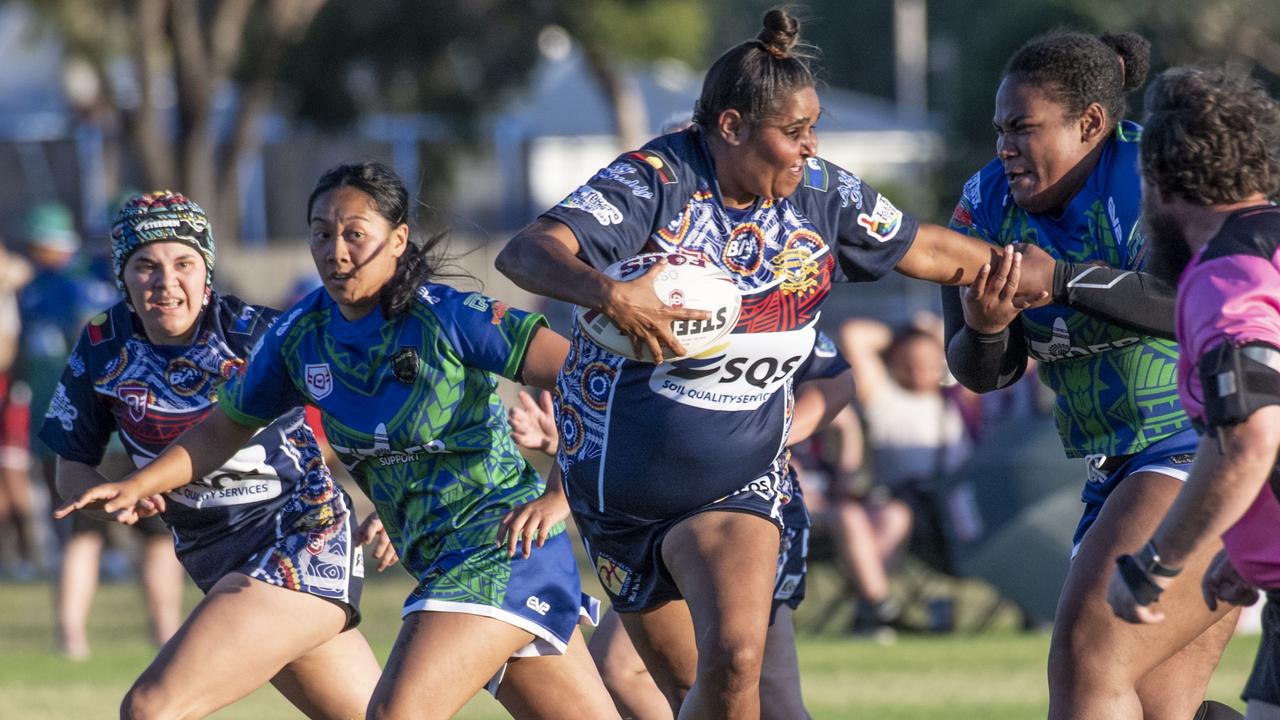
(724, 564)
(77, 583)
(780, 696)
(16, 512)
(441, 659)
(556, 686)
(859, 551)
(334, 680)
(162, 580)
(664, 638)
(632, 688)
(1101, 667)
(219, 655)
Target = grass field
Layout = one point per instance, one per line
(990, 676)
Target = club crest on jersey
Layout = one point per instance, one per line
(613, 575)
(319, 380)
(101, 328)
(815, 174)
(404, 365)
(135, 397)
(797, 270)
(884, 221)
(745, 249)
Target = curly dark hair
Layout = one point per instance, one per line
(1212, 136)
(753, 76)
(1075, 69)
(419, 262)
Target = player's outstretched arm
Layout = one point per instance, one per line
(199, 451)
(948, 258)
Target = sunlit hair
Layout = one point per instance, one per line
(755, 76)
(1075, 69)
(1211, 136)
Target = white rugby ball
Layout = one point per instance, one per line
(687, 282)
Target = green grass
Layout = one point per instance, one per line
(989, 676)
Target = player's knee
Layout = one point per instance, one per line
(145, 701)
(735, 664)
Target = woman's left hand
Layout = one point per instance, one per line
(120, 499)
(371, 532)
(532, 521)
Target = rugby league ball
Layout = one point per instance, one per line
(686, 281)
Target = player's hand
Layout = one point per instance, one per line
(1035, 287)
(1222, 582)
(1126, 607)
(149, 506)
(990, 302)
(638, 313)
(532, 522)
(533, 424)
(120, 499)
(372, 533)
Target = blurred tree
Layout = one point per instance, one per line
(616, 33)
(150, 73)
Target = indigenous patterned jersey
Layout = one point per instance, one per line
(1228, 294)
(410, 406)
(655, 441)
(1116, 388)
(119, 381)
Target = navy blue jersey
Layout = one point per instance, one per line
(117, 380)
(655, 441)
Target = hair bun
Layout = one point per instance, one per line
(1135, 54)
(780, 33)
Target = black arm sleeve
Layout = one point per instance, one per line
(981, 362)
(1134, 300)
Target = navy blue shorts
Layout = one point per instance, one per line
(627, 552)
(1171, 456)
(793, 551)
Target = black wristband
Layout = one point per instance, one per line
(1145, 590)
(1062, 273)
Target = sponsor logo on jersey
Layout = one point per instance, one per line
(101, 328)
(655, 161)
(425, 296)
(742, 375)
(961, 217)
(382, 452)
(319, 380)
(787, 586)
(1059, 345)
(184, 377)
(744, 251)
(850, 189)
(624, 174)
(590, 200)
(815, 174)
(61, 409)
(536, 605)
(284, 325)
(135, 396)
(1182, 459)
(613, 575)
(883, 222)
(245, 321)
(499, 311)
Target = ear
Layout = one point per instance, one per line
(1093, 123)
(399, 239)
(731, 127)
